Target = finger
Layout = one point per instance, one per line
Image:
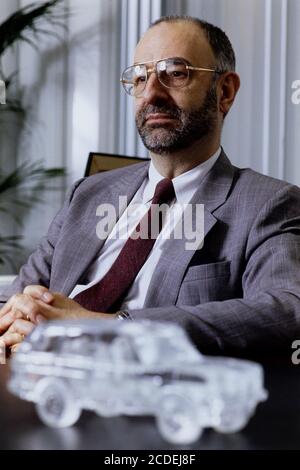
(14, 348)
(11, 338)
(7, 320)
(27, 305)
(40, 312)
(6, 308)
(39, 292)
(46, 312)
(2, 352)
(23, 327)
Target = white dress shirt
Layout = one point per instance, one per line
(185, 186)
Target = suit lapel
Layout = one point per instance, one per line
(212, 193)
(89, 245)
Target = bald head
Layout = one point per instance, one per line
(217, 39)
(178, 39)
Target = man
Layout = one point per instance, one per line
(240, 292)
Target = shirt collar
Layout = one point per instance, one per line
(185, 185)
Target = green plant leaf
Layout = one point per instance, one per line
(24, 187)
(24, 20)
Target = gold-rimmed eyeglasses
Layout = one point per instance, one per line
(173, 72)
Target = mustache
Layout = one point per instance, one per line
(172, 111)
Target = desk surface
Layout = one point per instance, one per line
(275, 425)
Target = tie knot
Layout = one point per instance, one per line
(164, 192)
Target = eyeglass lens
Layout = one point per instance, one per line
(172, 73)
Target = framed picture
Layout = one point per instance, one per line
(98, 162)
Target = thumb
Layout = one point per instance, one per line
(39, 293)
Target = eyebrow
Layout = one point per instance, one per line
(158, 60)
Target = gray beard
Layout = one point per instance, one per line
(193, 126)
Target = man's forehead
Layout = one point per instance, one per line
(181, 39)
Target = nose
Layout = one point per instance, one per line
(154, 90)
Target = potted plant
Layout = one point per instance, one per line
(22, 187)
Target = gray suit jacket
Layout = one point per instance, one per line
(239, 293)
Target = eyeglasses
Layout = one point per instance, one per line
(171, 73)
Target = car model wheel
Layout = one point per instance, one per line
(232, 418)
(55, 403)
(177, 420)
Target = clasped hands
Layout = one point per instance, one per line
(23, 312)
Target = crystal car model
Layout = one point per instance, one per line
(134, 368)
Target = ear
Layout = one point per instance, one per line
(229, 85)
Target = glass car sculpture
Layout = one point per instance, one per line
(134, 368)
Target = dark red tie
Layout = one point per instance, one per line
(112, 288)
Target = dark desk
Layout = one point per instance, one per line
(276, 424)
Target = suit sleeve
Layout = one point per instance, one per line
(37, 270)
(267, 317)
